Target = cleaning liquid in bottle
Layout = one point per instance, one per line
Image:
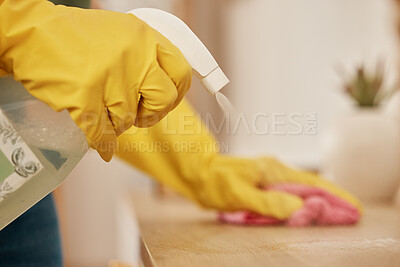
(38, 149)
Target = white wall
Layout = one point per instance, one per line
(281, 56)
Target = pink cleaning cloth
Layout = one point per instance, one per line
(320, 208)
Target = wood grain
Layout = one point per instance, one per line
(176, 233)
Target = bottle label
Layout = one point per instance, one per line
(18, 164)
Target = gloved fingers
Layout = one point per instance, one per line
(277, 204)
(274, 172)
(124, 113)
(173, 62)
(158, 96)
(99, 131)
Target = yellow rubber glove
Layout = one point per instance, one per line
(181, 153)
(109, 70)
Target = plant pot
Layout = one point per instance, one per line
(361, 153)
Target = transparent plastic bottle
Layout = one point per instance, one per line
(38, 149)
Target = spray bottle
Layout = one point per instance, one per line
(39, 147)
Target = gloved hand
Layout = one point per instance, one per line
(232, 184)
(319, 208)
(181, 153)
(109, 70)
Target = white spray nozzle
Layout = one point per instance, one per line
(195, 52)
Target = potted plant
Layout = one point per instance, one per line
(361, 151)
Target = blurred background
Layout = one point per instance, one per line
(283, 59)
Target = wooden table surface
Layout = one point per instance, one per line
(176, 233)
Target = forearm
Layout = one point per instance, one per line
(173, 151)
(80, 3)
(19, 25)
